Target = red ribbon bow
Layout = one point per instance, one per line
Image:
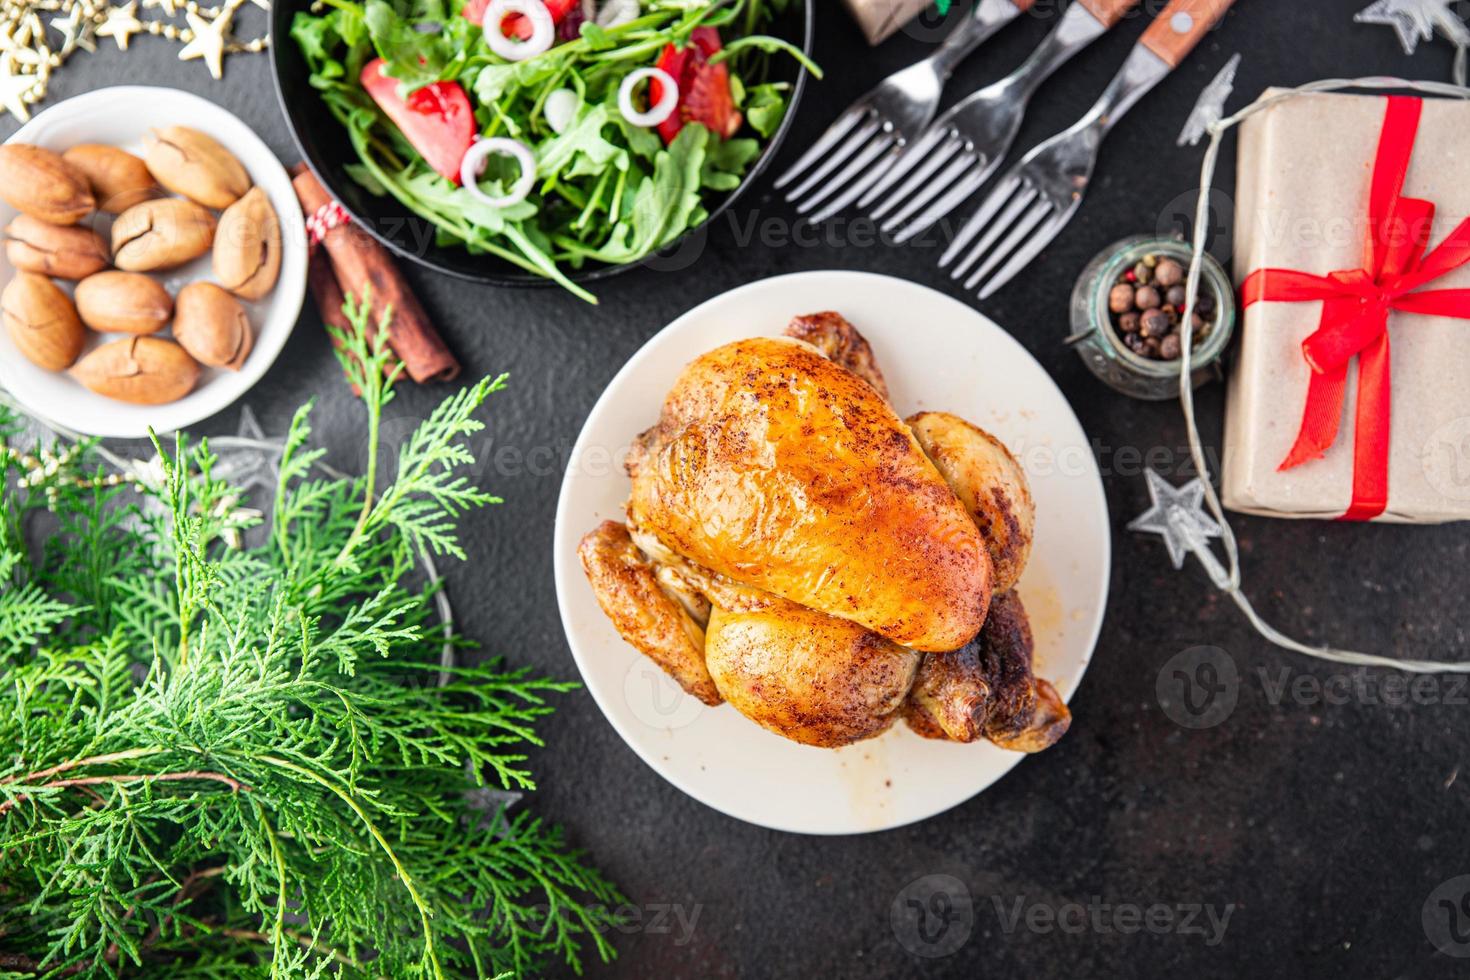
(1355, 308)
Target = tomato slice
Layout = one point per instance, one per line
(474, 12)
(704, 89)
(436, 119)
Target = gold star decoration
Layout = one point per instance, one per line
(29, 58)
(16, 89)
(121, 23)
(209, 37)
(77, 29)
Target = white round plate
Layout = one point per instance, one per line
(938, 354)
(122, 116)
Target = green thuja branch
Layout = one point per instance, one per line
(222, 759)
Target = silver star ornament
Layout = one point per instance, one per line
(1417, 20)
(250, 460)
(1210, 108)
(1178, 516)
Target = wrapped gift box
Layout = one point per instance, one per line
(1306, 168)
(881, 18)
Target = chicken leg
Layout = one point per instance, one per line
(987, 689)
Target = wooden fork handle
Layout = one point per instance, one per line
(1176, 30)
(1108, 12)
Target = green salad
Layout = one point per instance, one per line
(551, 133)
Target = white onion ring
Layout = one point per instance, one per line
(656, 114)
(474, 162)
(543, 29)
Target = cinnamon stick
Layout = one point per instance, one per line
(359, 262)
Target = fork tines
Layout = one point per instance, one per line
(1014, 224)
(942, 169)
(862, 143)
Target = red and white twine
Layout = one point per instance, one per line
(323, 220)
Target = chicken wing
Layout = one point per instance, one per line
(989, 482)
(987, 689)
(831, 334)
(779, 469)
(813, 678)
(656, 623)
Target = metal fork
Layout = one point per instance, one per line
(1036, 199)
(875, 127)
(971, 139)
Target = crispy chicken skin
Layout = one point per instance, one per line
(791, 546)
(658, 625)
(781, 470)
(989, 482)
(808, 676)
(839, 340)
(987, 690)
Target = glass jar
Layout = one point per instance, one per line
(1101, 347)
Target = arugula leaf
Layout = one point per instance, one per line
(582, 146)
(663, 203)
(440, 194)
(726, 162)
(765, 107)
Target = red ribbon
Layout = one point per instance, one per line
(1355, 308)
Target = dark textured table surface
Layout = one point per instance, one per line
(1317, 818)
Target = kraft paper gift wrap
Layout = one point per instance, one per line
(1305, 169)
(881, 18)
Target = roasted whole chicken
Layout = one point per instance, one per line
(795, 548)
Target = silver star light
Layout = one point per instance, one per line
(1210, 108)
(1417, 20)
(250, 459)
(1178, 516)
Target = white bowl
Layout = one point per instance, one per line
(936, 354)
(122, 117)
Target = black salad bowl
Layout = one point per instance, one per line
(326, 149)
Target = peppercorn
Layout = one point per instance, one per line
(1147, 304)
(1154, 323)
(1120, 299)
(1168, 273)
